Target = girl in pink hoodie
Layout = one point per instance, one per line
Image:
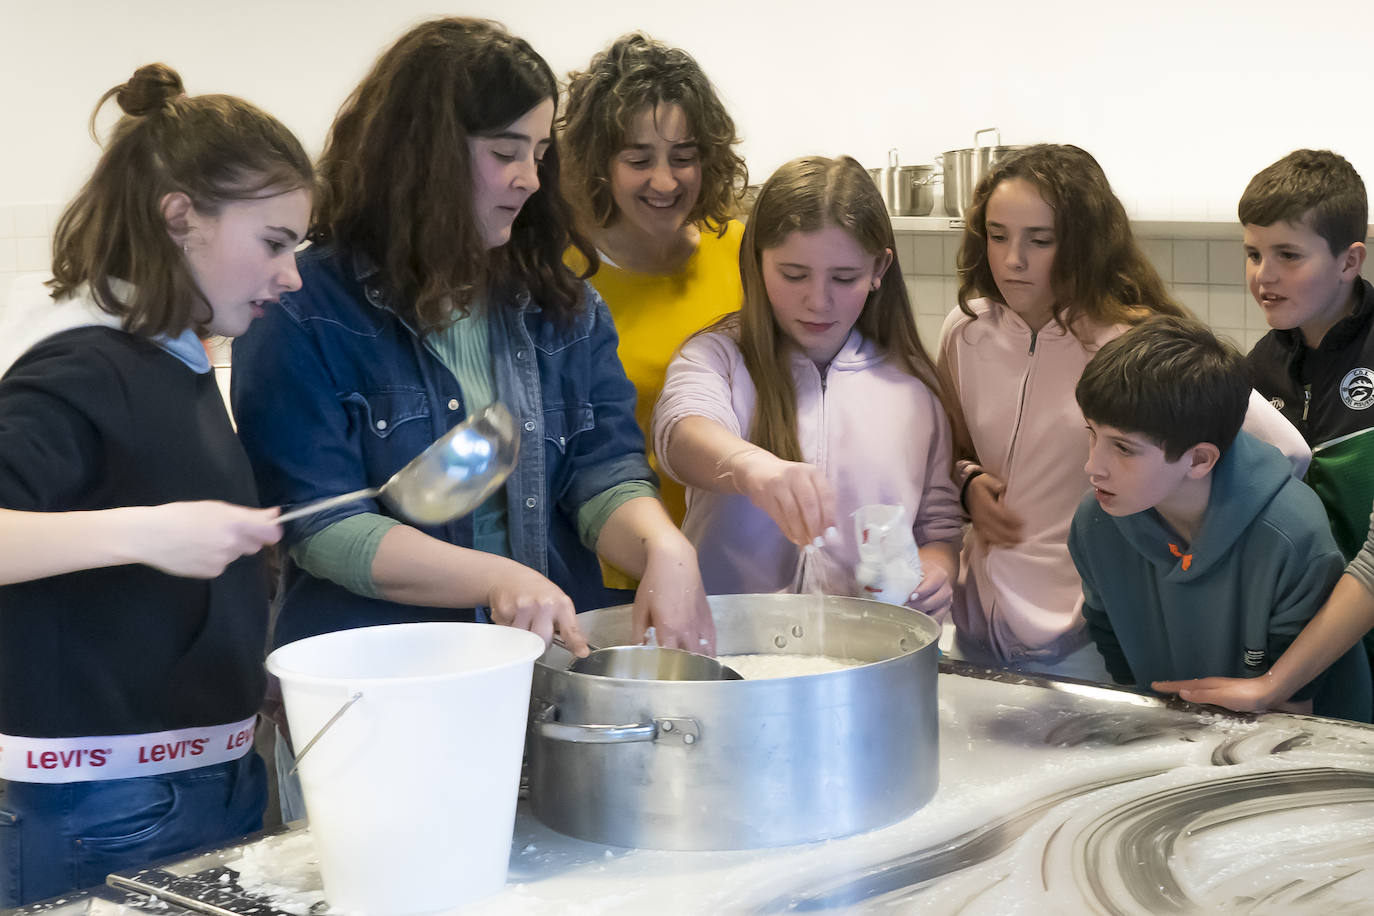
(814, 399)
(1049, 272)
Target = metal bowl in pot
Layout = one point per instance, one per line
(743, 764)
(964, 168)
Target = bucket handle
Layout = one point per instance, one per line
(682, 730)
(357, 695)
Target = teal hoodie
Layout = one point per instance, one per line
(1262, 564)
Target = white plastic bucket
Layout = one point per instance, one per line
(411, 793)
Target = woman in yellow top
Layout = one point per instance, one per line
(649, 166)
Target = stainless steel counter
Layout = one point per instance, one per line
(1054, 797)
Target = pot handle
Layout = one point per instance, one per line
(987, 130)
(681, 730)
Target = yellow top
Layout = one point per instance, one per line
(655, 313)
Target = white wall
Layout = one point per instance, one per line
(1182, 100)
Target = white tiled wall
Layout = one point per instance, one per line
(25, 240)
(1207, 276)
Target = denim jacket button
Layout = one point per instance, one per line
(519, 354)
(529, 426)
(530, 503)
(381, 424)
(452, 403)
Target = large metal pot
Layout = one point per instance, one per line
(907, 190)
(964, 168)
(743, 764)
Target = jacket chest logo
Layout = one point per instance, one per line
(1357, 388)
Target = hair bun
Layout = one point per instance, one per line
(150, 89)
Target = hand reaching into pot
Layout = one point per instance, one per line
(641, 540)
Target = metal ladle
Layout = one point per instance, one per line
(649, 663)
(452, 477)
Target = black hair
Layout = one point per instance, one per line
(1171, 380)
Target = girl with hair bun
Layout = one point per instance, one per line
(133, 606)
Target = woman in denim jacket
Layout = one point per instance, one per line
(435, 286)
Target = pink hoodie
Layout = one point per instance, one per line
(879, 434)
(1015, 389)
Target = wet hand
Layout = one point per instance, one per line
(795, 495)
(672, 599)
(528, 601)
(998, 525)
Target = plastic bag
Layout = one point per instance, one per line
(889, 566)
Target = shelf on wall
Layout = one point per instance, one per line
(1146, 229)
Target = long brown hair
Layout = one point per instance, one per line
(397, 174)
(213, 148)
(1099, 271)
(633, 74)
(806, 195)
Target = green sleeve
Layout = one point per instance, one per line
(343, 552)
(592, 515)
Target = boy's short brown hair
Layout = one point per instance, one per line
(1171, 380)
(1314, 185)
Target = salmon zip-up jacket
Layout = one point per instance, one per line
(1015, 388)
(879, 434)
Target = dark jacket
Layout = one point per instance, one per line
(95, 418)
(1327, 392)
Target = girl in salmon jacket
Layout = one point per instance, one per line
(814, 399)
(1049, 272)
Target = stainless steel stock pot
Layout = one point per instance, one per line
(743, 764)
(964, 168)
(907, 190)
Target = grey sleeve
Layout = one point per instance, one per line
(1361, 569)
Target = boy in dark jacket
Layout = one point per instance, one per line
(1305, 220)
(1200, 555)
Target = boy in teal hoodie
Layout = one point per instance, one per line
(1200, 554)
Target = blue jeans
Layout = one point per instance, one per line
(289, 795)
(63, 837)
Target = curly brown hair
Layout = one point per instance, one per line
(635, 73)
(1099, 271)
(397, 175)
(215, 149)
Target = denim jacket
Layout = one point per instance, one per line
(334, 392)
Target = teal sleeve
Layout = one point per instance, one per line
(343, 552)
(1095, 614)
(592, 515)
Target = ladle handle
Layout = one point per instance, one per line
(558, 641)
(328, 503)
